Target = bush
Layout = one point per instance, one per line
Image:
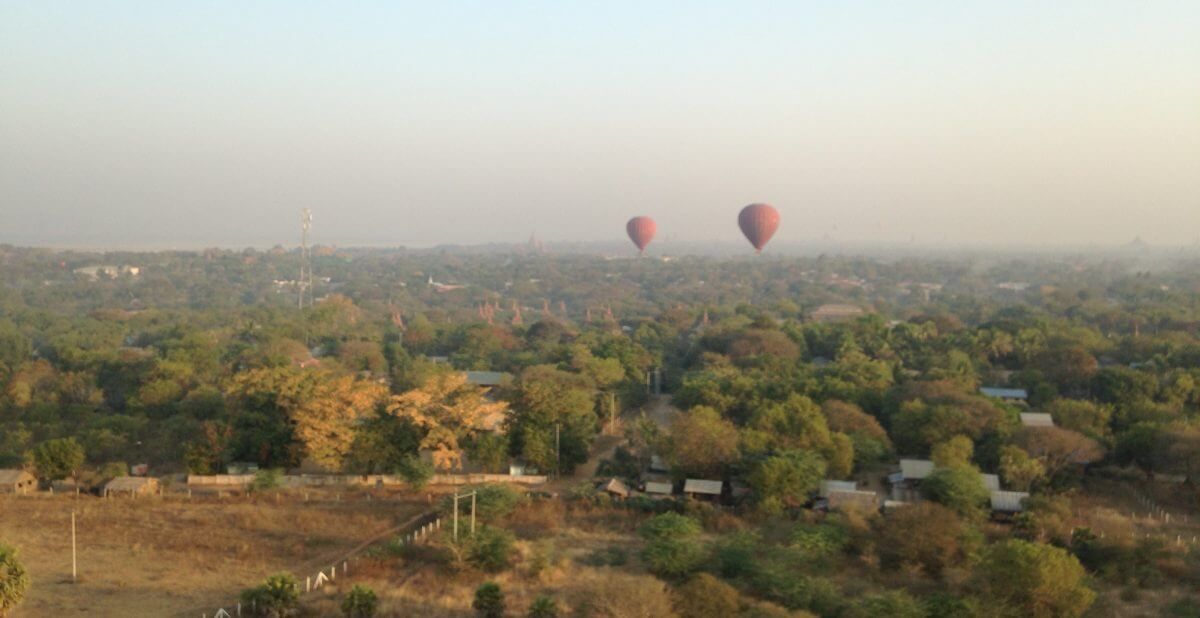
(671, 548)
(490, 548)
(959, 487)
(926, 535)
(1033, 579)
(614, 593)
(705, 596)
(360, 602)
(277, 597)
(266, 479)
(543, 607)
(489, 601)
(893, 604)
(14, 581)
(415, 471)
(491, 502)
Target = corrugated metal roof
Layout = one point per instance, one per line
(828, 486)
(659, 488)
(1009, 501)
(616, 486)
(865, 499)
(700, 486)
(1036, 419)
(915, 469)
(486, 378)
(1004, 393)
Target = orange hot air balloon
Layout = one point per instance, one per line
(758, 223)
(641, 231)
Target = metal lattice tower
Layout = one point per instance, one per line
(306, 275)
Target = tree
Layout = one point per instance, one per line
(277, 597)
(959, 487)
(671, 549)
(450, 411)
(787, 479)
(1057, 448)
(360, 602)
(553, 418)
(926, 535)
(1034, 579)
(1086, 417)
(956, 451)
(702, 443)
(704, 596)
(490, 548)
(57, 459)
(615, 594)
(14, 581)
(1019, 470)
(543, 607)
(489, 601)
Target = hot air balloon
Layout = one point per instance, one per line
(758, 223)
(641, 231)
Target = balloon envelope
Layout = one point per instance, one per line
(641, 231)
(758, 223)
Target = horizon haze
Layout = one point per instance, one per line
(989, 124)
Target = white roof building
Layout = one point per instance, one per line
(701, 486)
(1036, 419)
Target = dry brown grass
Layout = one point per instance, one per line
(168, 556)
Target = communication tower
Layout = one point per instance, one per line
(305, 283)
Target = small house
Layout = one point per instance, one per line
(702, 489)
(828, 486)
(615, 488)
(659, 488)
(1008, 502)
(16, 482)
(1007, 395)
(1036, 419)
(132, 486)
(840, 499)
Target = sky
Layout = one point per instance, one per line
(190, 124)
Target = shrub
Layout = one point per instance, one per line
(491, 502)
(415, 471)
(671, 549)
(615, 593)
(893, 604)
(489, 601)
(14, 581)
(490, 548)
(543, 607)
(926, 535)
(360, 602)
(705, 596)
(959, 487)
(266, 479)
(277, 597)
(1033, 579)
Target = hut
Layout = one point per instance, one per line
(616, 488)
(134, 486)
(702, 489)
(1008, 502)
(865, 501)
(1036, 419)
(659, 488)
(14, 481)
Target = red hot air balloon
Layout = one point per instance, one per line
(758, 223)
(641, 231)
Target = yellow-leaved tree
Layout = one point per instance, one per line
(451, 411)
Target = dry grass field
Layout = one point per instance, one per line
(177, 556)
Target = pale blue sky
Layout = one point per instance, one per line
(213, 123)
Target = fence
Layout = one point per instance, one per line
(369, 480)
(418, 529)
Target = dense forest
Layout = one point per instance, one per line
(190, 361)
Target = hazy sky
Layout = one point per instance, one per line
(213, 123)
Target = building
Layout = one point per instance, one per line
(866, 501)
(132, 486)
(487, 379)
(828, 486)
(702, 489)
(1010, 395)
(615, 488)
(1036, 419)
(1008, 502)
(16, 482)
(659, 488)
(835, 313)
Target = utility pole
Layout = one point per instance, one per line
(74, 571)
(457, 497)
(612, 413)
(306, 275)
(557, 450)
